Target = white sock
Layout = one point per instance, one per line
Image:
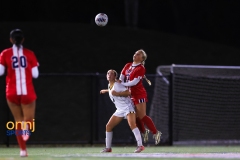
(137, 135)
(109, 139)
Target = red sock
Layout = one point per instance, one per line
(140, 125)
(29, 126)
(149, 123)
(21, 142)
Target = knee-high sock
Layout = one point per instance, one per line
(27, 127)
(140, 125)
(21, 142)
(149, 123)
(108, 139)
(137, 135)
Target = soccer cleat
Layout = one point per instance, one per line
(23, 153)
(106, 150)
(145, 135)
(139, 149)
(157, 137)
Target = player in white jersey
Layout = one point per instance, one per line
(124, 109)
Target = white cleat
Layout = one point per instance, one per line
(23, 153)
(145, 136)
(139, 149)
(157, 137)
(105, 150)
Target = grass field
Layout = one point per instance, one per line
(120, 153)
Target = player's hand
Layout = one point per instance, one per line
(114, 93)
(103, 91)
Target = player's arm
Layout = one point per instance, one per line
(121, 94)
(137, 77)
(2, 69)
(132, 82)
(35, 72)
(121, 78)
(2, 64)
(104, 91)
(122, 75)
(35, 64)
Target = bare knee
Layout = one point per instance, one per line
(108, 128)
(132, 125)
(141, 110)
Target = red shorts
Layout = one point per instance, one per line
(139, 100)
(21, 99)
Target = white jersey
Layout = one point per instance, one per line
(121, 103)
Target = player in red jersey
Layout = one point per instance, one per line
(21, 66)
(131, 76)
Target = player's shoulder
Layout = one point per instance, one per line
(7, 50)
(118, 84)
(129, 64)
(26, 50)
(119, 87)
(141, 67)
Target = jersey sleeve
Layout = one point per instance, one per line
(125, 68)
(2, 59)
(34, 62)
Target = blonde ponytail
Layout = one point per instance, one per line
(148, 81)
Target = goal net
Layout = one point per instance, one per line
(200, 104)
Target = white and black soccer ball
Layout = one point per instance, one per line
(101, 19)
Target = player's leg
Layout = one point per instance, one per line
(28, 116)
(16, 111)
(144, 131)
(141, 112)
(113, 121)
(131, 117)
(140, 123)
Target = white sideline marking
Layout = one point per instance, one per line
(145, 155)
(159, 155)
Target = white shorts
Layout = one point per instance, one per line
(124, 112)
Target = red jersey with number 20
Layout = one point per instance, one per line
(131, 71)
(19, 64)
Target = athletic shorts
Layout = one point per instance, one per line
(139, 100)
(21, 99)
(125, 112)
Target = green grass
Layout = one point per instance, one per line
(123, 153)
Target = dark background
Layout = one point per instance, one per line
(171, 31)
(213, 20)
(74, 54)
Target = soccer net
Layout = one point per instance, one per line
(201, 104)
(159, 110)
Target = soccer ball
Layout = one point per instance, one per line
(101, 19)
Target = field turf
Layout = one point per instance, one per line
(123, 153)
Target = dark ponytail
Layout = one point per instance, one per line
(17, 36)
